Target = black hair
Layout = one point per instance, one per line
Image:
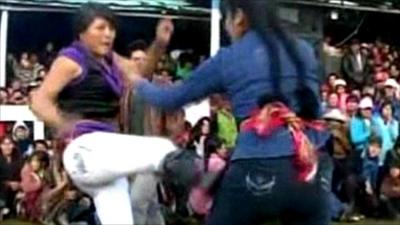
(387, 103)
(263, 19)
(88, 12)
(374, 139)
(43, 142)
(15, 155)
(42, 157)
(137, 45)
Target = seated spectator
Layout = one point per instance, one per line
(371, 164)
(18, 98)
(21, 136)
(33, 181)
(3, 96)
(40, 145)
(10, 168)
(16, 85)
(391, 191)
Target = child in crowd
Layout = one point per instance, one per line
(33, 181)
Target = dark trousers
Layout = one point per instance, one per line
(260, 190)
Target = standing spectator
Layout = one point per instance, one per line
(324, 98)
(351, 106)
(389, 126)
(226, 127)
(10, 168)
(332, 77)
(201, 131)
(362, 128)
(340, 89)
(354, 66)
(333, 101)
(48, 55)
(21, 136)
(394, 72)
(16, 85)
(200, 198)
(32, 184)
(391, 88)
(342, 149)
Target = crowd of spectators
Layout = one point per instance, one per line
(361, 102)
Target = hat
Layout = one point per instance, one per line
(335, 114)
(366, 103)
(340, 82)
(391, 83)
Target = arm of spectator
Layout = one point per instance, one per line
(43, 101)
(205, 80)
(358, 134)
(30, 181)
(129, 69)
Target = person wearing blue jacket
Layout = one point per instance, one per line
(264, 65)
(362, 127)
(389, 127)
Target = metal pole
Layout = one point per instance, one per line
(215, 27)
(3, 47)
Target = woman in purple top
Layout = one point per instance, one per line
(80, 98)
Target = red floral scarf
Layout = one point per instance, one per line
(274, 115)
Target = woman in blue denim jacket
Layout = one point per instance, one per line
(263, 65)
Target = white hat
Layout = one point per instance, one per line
(340, 82)
(335, 114)
(391, 83)
(366, 103)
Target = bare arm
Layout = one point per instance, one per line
(164, 32)
(43, 101)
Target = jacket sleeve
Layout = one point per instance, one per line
(357, 133)
(205, 80)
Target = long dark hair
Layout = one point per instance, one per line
(15, 155)
(263, 19)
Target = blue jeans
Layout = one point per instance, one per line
(256, 191)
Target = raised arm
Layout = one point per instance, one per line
(164, 32)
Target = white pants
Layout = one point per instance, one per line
(99, 164)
